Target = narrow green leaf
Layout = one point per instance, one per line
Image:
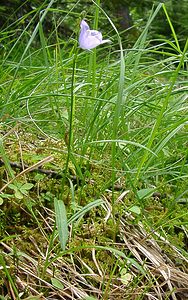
(145, 193)
(172, 28)
(27, 186)
(135, 209)
(57, 283)
(61, 221)
(12, 186)
(5, 159)
(85, 209)
(9, 276)
(121, 254)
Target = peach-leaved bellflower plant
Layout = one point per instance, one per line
(90, 39)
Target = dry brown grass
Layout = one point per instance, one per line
(81, 274)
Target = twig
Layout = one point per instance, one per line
(28, 169)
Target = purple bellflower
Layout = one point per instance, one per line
(90, 39)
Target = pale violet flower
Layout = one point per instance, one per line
(90, 39)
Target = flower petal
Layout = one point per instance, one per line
(96, 34)
(84, 25)
(89, 39)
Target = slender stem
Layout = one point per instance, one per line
(71, 117)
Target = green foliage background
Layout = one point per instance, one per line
(125, 14)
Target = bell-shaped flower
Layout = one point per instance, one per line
(90, 39)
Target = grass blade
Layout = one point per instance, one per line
(61, 221)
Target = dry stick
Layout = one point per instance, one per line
(21, 167)
(51, 173)
(29, 169)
